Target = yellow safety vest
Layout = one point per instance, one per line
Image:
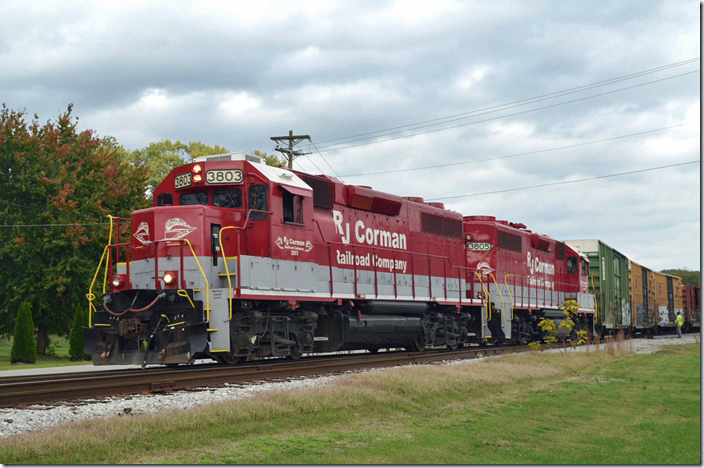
(679, 320)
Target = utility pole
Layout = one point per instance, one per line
(289, 152)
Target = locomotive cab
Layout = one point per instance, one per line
(172, 301)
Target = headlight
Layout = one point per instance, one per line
(197, 168)
(168, 278)
(116, 281)
(197, 178)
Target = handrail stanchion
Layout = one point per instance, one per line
(227, 268)
(156, 265)
(205, 278)
(182, 273)
(413, 276)
(509, 292)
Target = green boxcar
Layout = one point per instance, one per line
(608, 281)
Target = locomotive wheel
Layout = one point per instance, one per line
(227, 359)
(419, 344)
(373, 350)
(453, 347)
(295, 353)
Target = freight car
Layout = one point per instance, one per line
(668, 301)
(237, 259)
(608, 270)
(643, 310)
(691, 303)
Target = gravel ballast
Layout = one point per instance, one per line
(38, 417)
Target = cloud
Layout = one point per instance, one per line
(234, 74)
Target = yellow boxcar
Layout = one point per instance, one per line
(668, 299)
(642, 287)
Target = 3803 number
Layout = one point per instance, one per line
(183, 180)
(230, 176)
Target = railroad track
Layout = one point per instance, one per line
(71, 386)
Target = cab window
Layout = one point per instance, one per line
(197, 198)
(572, 265)
(256, 197)
(292, 208)
(229, 198)
(164, 199)
(585, 267)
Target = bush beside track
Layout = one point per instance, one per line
(533, 408)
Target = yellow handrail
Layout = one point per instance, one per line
(486, 295)
(509, 292)
(105, 275)
(207, 287)
(227, 269)
(90, 296)
(184, 293)
(501, 296)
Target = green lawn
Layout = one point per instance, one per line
(59, 356)
(533, 408)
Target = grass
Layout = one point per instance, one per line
(533, 408)
(58, 356)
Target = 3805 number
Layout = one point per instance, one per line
(479, 246)
(230, 176)
(183, 180)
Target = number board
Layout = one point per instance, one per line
(228, 176)
(479, 246)
(182, 181)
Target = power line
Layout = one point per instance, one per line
(313, 163)
(514, 103)
(52, 225)
(326, 161)
(512, 114)
(471, 161)
(566, 182)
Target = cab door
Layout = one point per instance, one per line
(257, 232)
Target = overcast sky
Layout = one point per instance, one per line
(520, 93)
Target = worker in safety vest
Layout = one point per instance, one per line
(679, 321)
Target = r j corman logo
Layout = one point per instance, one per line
(176, 228)
(536, 266)
(365, 235)
(292, 245)
(142, 233)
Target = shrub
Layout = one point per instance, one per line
(24, 345)
(75, 340)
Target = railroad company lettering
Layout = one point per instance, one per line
(365, 235)
(383, 263)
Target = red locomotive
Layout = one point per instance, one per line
(240, 259)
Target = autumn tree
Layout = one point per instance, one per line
(57, 185)
(158, 159)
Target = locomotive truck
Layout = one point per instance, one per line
(237, 259)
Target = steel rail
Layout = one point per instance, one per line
(48, 388)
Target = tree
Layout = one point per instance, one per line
(270, 159)
(57, 185)
(565, 329)
(80, 320)
(24, 348)
(688, 276)
(158, 159)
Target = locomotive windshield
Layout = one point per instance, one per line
(228, 198)
(197, 198)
